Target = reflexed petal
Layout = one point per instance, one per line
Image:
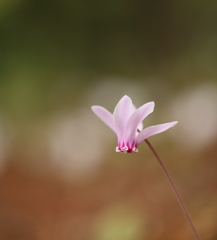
(133, 109)
(104, 115)
(140, 127)
(121, 114)
(136, 119)
(149, 131)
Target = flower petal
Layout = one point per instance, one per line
(104, 115)
(121, 114)
(149, 131)
(136, 119)
(140, 127)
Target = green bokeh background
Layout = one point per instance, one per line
(52, 50)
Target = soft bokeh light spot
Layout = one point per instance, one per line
(77, 144)
(110, 90)
(196, 110)
(119, 223)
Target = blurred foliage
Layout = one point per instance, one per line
(51, 50)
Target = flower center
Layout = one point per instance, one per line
(126, 149)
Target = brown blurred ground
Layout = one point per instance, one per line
(42, 207)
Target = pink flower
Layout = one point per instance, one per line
(126, 120)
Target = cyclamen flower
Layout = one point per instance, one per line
(127, 120)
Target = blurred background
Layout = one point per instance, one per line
(60, 177)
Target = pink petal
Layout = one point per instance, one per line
(140, 127)
(121, 114)
(136, 119)
(149, 131)
(104, 115)
(133, 108)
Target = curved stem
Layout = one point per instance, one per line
(180, 201)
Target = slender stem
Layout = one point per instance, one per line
(180, 201)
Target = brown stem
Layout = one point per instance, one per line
(180, 201)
